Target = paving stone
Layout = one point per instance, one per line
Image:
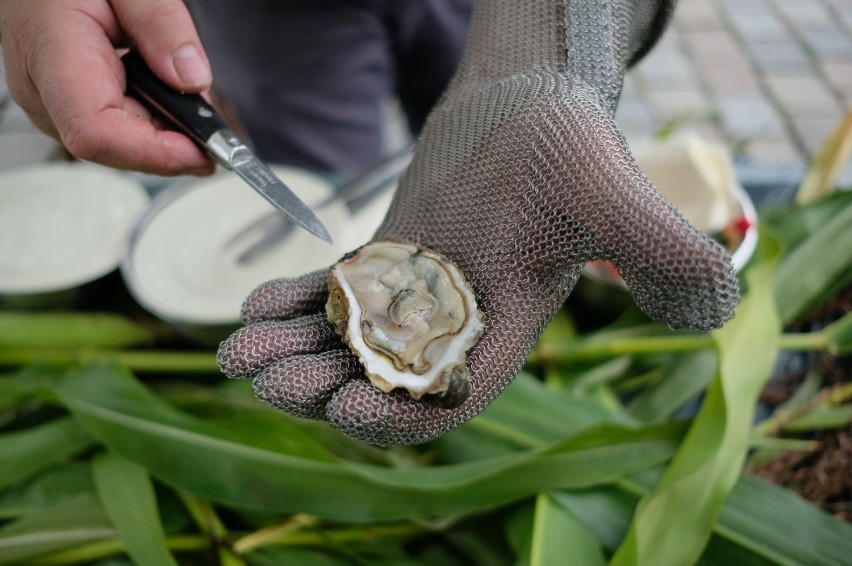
(806, 15)
(634, 118)
(706, 129)
(846, 20)
(628, 88)
(811, 132)
(839, 76)
(751, 117)
(828, 43)
(725, 80)
(772, 152)
(779, 57)
(714, 46)
(697, 14)
(803, 95)
(759, 27)
(673, 71)
(749, 7)
(675, 103)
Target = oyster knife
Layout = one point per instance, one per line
(201, 123)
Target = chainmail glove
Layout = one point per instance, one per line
(520, 177)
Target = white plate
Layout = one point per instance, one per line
(63, 225)
(181, 268)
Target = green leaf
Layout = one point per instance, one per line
(839, 335)
(601, 374)
(508, 425)
(69, 330)
(756, 526)
(814, 267)
(605, 511)
(791, 225)
(557, 415)
(300, 556)
(689, 377)
(675, 521)
(210, 459)
(27, 452)
(777, 525)
(57, 484)
(21, 387)
(127, 495)
(823, 417)
(558, 534)
(61, 526)
(519, 529)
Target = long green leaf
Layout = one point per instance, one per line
(508, 424)
(606, 511)
(776, 524)
(69, 330)
(686, 380)
(557, 415)
(839, 335)
(127, 495)
(57, 484)
(755, 525)
(61, 526)
(814, 266)
(673, 524)
(206, 458)
(757, 519)
(560, 537)
(27, 452)
(24, 386)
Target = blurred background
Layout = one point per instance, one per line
(769, 78)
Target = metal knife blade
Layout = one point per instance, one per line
(200, 121)
(273, 189)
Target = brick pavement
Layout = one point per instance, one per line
(770, 78)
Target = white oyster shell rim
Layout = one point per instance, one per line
(381, 371)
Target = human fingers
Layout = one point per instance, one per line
(62, 68)
(677, 274)
(251, 349)
(302, 385)
(162, 30)
(285, 298)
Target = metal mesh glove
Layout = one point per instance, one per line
(520, 177)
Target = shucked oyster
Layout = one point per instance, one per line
(409, 315)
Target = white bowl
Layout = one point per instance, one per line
(63, 225)
(181, 267)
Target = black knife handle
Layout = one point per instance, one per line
(193, 115)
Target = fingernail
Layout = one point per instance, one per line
(191, 68)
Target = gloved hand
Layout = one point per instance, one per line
(520, 177)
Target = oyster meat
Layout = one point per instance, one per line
(409, 315)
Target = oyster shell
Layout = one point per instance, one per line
(409, 315)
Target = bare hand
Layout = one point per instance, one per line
(63, 68)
